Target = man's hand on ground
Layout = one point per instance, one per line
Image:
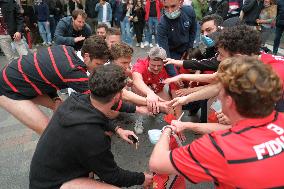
(124, 135)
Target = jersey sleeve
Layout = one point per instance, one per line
(78, 81)
(139, 67)
(200, 161)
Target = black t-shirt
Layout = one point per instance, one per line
(74, 144)
(44, 72)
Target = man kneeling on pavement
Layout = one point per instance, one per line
(76, 141)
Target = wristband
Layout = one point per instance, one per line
(167, 127)
(115, 130)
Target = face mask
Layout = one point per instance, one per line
(173, 15)
(217, 106)
(154, 135)
(207, 41)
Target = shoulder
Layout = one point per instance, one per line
(141, 65)
(188, 10)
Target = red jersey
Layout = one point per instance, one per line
(154, 81)
(277, 63)
(249, 155)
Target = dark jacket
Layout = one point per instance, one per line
(64, 33)
(220, 8)
(90, 6)
(12, 16)
(177, 35)
(280, 13)
(252, 9)
(42, 11)
(74, 144)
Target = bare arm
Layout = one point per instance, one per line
(202, 128)
(209, 91)
(160, 158)
(134, 98)
(207, 78)
(140, 85)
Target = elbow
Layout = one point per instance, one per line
(154, 164)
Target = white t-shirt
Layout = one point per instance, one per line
(104, 13)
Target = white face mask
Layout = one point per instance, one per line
(217, 105)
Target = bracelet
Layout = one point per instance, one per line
(115, 130)
(167, 127)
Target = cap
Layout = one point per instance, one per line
(157, 52)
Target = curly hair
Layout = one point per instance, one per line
(121, 49)
(254, 86)
(106, 81)
(240, 39)
(96, 47)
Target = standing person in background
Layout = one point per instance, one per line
(42, 13)
(178, 21)
(117, 10)
(279, 25)
(51, 6)
(125, 22)
(72, 31)
(137, 18)
(59, 11)
(11, 28)
(74, 5)
(220, 7)
(251, 10)
(152, 17)
(92, 19)
(104, 11)
(266, 19)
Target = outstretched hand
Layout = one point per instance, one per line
(179, 101)
(178, 63)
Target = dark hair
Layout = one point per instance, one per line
(254, 86)
(113, 31)
(218, 20)
(106, 81)
(102, 25)
(240, 39)
(77, 12)
(96, 47)
(193, 53)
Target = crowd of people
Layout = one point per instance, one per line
(199, 50)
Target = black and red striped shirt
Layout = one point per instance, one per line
(44, 72)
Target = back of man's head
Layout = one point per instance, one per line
(113, 31)
(106, 81)
(254, 86)
(240, 39)
(96, 47)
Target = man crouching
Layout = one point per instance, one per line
(75, 142)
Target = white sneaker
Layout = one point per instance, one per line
(138, 126)
(142, 46)
(151, 45)
(49, 43)
(138, 44)
(44, 44)
(146, 43)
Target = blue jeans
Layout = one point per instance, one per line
(125, 30)
(278, 34)
(44, 31)
(152, 25)
(52, 25)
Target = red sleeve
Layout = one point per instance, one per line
(140, 66)
(200, 161)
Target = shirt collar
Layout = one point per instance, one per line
(254, 122)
